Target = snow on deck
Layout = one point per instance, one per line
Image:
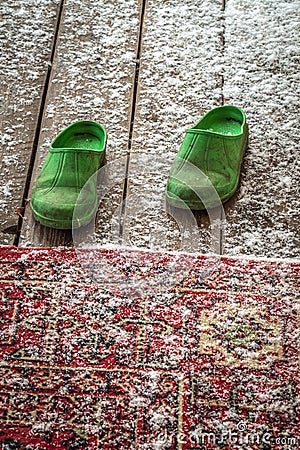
(192, 56)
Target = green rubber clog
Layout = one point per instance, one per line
(207, 167)
(73, 159)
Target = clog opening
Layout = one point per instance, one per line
(81, 135)
(228, 121)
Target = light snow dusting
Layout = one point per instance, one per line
(26, 33)
(193, 57)
(261, 75)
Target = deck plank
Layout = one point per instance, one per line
(180, 79)
(27, 30)
(92, 79)
(262, 76)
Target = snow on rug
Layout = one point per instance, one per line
(94, 356)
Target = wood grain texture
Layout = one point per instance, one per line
(180, 79)
(92, 79)
(26, 35)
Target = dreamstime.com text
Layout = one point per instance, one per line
(241, 436)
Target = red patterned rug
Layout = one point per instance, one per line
(104, 353)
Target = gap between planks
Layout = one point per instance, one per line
(39, 122)
(132, 117)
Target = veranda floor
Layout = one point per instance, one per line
(147, 70)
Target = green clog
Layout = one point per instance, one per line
(207, 167)
(73, 159)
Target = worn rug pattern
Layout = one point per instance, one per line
(95, 357)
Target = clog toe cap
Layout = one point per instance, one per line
(200, 193)
(63, 208)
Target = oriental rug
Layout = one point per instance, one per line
(105, 353)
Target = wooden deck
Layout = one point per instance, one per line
(147, 70)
